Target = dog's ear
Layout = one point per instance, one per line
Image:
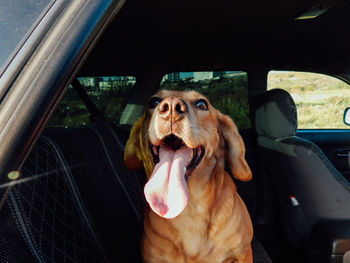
(130, 153)
(234, 148)
(135, 154)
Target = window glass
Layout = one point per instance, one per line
(226, 90)
(109, 94)
(16, 19)
(320, 99)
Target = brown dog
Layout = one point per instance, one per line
(196, 214)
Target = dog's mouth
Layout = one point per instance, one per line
(174, 143)
(166, 190)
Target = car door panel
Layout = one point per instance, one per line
(335, 143)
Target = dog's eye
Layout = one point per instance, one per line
(154, 102)
(201, 104)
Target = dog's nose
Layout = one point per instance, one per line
(172, 108)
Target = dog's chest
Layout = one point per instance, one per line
(194, 234)
(198, 245)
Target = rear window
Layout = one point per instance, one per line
(226, 90)
(110, 95)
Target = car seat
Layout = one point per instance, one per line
(310, 190)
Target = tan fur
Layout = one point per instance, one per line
(215, 226)
(136, 153)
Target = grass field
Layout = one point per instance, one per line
(320, 99)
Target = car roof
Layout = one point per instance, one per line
(240, 35)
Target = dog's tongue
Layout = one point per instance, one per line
(166, 191)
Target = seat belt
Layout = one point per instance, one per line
(287, 197)
(95, 114)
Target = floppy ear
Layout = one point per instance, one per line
(130, 153)
(135, 154)
(234, 147)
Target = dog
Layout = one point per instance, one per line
(195, 213)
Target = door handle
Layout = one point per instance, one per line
(343, 155)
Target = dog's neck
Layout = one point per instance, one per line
(200, 177)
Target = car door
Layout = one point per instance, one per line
(41, 66)
(321, 100)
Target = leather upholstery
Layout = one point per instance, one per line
(276, 115)
(297, 168)
(45, 211)
(75, 202)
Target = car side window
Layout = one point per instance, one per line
(17, 19)
(109, 94)
(226, 90)
(320, 99)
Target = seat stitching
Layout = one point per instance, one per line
(116, 173)
(26, 233)
(76, 195)
(122, 146)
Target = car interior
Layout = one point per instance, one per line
(76, 202)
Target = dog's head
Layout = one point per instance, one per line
(178, 133)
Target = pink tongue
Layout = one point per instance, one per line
(166, 190)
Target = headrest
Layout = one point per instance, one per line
(275, 114)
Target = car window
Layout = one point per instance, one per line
(320, 99)
(226, 90)
(16, 19)
(109, 94)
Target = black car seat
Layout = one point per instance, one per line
(310, 189)
(74, 201)
(43, 219)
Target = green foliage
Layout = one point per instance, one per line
(71, 112)
(229, 95)
(112, 101)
